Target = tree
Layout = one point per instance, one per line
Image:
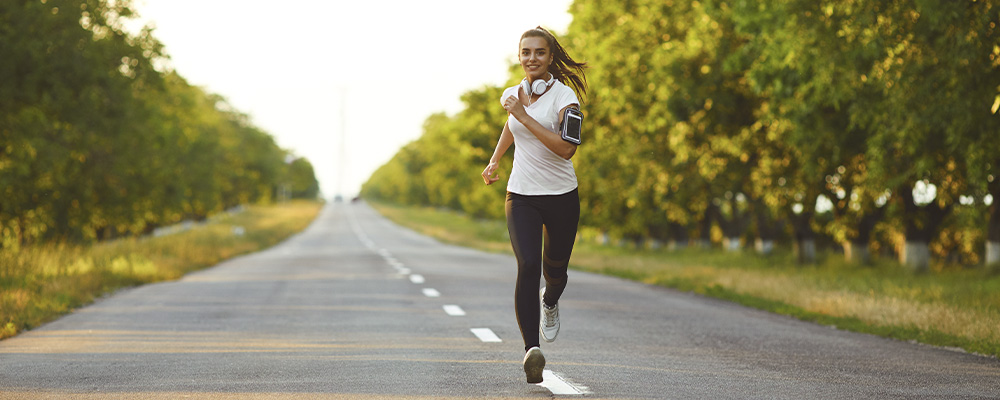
(933, 111)
(303, 179)
(96, 143)
(808, 59)
(745, 117)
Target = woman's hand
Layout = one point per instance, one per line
(488, 173)
(514, 107)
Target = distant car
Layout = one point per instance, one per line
(338, 198)
(356, 199)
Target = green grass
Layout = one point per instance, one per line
(451, 227)
(40, 283)
(950, 307)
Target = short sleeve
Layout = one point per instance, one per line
(511, 91)
(566, 97)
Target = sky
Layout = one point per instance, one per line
(296, 67)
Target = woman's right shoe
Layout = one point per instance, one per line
(534, 364)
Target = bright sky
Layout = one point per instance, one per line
(288, 63)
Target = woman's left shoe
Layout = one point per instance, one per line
(549, 325)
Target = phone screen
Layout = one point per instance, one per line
(573, 127)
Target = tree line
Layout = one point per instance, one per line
(96, 142)
(862, 126)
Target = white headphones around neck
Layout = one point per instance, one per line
(538, 86)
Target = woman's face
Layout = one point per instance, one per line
(535, 57)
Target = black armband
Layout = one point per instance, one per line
(572, 123)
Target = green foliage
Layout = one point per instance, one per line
(96, 143)
(303, 178)
(443, 167)
(730, 119)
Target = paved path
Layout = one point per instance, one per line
(355, 307)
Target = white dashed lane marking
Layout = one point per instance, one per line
(486, 335)
(551, 381)
(454, 310)
(555, 384)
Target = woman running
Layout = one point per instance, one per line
(542, 207)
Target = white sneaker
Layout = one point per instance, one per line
(549, 325)
(534, 364)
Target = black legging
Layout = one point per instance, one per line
(532, 221)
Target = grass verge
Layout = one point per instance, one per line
(953, 308)
(42, 282)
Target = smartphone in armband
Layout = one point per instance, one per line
(572, 123)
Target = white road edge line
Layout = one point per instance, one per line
(555, 384)
(453, 310)
(431, 292)
(416, 278)
(486, 335)
(356, 227)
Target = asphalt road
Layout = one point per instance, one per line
(343, 311)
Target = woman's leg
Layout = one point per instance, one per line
(561, 219)
(524, 223)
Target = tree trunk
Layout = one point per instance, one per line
(921, 223)
(917, 255)
(705, 226)
(857, 249)
(603, 239)
(674, 245)
(767, 228)
(678, 237)
(805, 238)
(806, 251)
(733, 227)
(763, 246)
(992, 253)
(993, 231)
(631, 240)
(658, 233)
(732, 244)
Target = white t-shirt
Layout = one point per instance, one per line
(537, 170)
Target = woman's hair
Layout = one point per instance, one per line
(563, 67)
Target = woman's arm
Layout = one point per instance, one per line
(550, 139)
(506, 138)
